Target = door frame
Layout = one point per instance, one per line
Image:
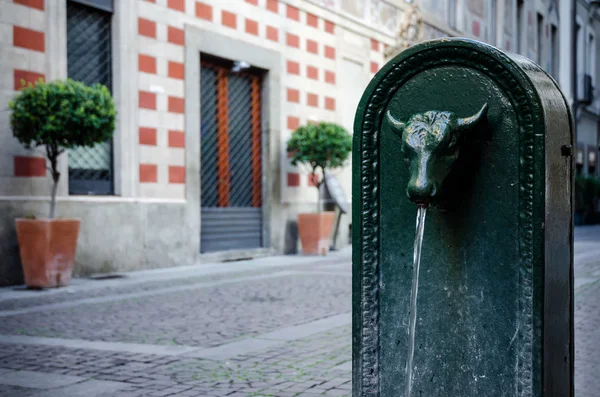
(198, 41)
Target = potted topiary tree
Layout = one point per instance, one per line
(56, 116)
(321, 147)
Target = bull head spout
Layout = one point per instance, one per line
(431, 145)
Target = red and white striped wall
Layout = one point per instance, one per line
(312, 42)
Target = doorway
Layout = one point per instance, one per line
(231, 156)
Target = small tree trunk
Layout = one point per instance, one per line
(53, 157)
(319, 198)
(318, 184)
(53, 197)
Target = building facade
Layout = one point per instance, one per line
(207, 94)
(559, 36)
(585, 71)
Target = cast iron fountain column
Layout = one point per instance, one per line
(484, 139)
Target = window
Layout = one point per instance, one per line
(580, 60)
(579, 160)
(354, 7)
(520, 21)
(554, 52)
(452, 13)
(89, 60)
(591, 53)
(493, 27)
(540, 39)
(592, 160)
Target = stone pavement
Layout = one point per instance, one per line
(270, 327)
(587, 311)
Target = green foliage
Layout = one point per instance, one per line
(587, 190)
(62, 115)
(323, 145)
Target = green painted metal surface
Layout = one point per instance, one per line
(495, 295)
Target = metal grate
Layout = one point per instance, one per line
(89, 60)
(223, 183)
(208, 137)
(231, 138)
(256, 152)
(240, 138)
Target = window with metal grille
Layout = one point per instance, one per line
(89, 61)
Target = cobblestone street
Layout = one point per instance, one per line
(587, 311)
(269, 327)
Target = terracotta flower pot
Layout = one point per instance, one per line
(47, 249)
(315, 232)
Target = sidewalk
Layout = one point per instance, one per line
(180, 272)
(587, 311)
(272, 326)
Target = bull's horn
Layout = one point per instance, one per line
(397, 124)
(469, 122)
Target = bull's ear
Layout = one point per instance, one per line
(468, 123)
(397, 125)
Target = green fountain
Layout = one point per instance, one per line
(478, 302)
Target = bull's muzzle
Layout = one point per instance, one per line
(422, 194)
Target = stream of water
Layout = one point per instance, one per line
(422, 211)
